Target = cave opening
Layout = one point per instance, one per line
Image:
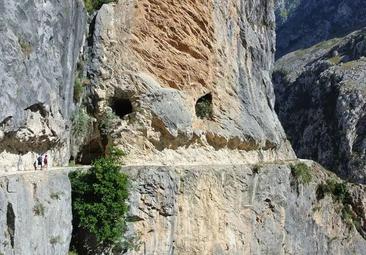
(204, 107)
(121, 106)
(90, 152)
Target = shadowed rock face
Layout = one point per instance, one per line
(321, 101)
(166, 55)
(39, 43)
(303, 23)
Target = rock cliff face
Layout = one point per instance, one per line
(35, 214)
(302, 24)
(155, 61)
(39, 44)
(240, 209)
(321, 101)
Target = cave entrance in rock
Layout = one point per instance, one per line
(204, 107)
(121, 106)
(90, 152)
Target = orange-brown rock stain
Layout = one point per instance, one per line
(174, 42)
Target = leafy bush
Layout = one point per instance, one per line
(92, 5)
(81, 122)
(204, 107)
(99, 204)
(302, 173)
(340, 193)
(338, 190)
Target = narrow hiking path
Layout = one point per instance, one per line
(85, 167)
(45, 170)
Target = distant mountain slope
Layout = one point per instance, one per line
(301, 24)
(321, 102)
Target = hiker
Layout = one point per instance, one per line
(39, 161)
(45, 161)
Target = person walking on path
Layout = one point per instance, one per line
(38, 162)
(45, 161)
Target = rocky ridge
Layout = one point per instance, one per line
(321, 101)
(302, 24)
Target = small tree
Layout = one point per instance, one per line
(99, 206)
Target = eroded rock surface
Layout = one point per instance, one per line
(239, 209)
(35, 214)
(39, 44)
(321, 101)
(163, 56)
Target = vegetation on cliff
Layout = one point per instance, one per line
(99, 205)
(92, 5)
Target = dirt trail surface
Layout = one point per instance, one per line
(51, 169)
(76, 168)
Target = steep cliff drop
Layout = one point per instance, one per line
(184, 87)
(198, 119)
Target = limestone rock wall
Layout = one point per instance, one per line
(238, 209)
(35, 214)
(39, 43)
(163, 56)
(321, 101)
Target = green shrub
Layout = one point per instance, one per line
(81, 122)
(301, 173)
(99, 203)
(338, 190)
(204, 107)
(340, 193)
(92, 5)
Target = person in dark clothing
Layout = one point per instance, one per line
(39, 161)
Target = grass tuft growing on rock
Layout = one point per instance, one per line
(302, 173)
(340, 193)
